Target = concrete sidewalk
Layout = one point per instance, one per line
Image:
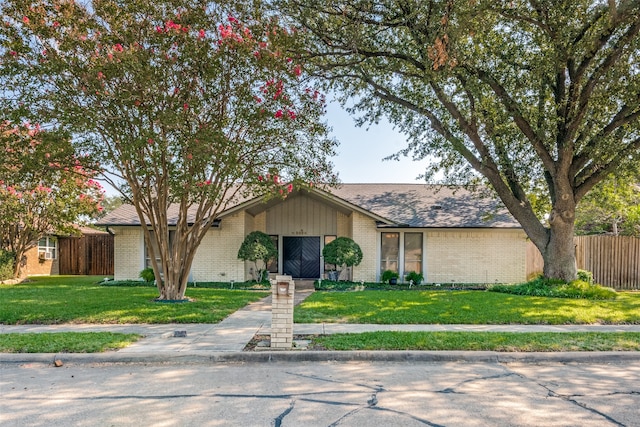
(226, 340)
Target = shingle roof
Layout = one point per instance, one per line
(424, 205)
(409, 205)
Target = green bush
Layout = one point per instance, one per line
(387, 275)
(342, 251)
(415, 276)
(585, 276)
(542, 287)
(148, 275)
(258, 246)
(7, 260)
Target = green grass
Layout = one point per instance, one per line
(463, 307)
(482, 341)
(65, 342)
(81, 299)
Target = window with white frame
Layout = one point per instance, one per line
(412, 252)
(48, 247)
(389, 252)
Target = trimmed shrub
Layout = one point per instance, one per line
(415, 276)
(387, 275)
(258, 246)
(342, 251)
(7, 260)
(542, 287)
(148, 275)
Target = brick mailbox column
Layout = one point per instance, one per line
(282, 292)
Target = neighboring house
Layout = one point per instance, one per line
(90, 252)
(43, 259)
(451, 236)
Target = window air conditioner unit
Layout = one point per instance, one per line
(47, 255)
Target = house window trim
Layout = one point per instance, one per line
(401, 252)
(50, 249)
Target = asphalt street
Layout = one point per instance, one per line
(297, 393)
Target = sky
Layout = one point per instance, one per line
(361, 151)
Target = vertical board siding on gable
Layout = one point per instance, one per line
(301, 216)
(475, 256)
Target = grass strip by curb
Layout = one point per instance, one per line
(65, 342)
(481, 341)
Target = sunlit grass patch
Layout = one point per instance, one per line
(80, 299)
(482, 341)
(463, 307)
(65, 342)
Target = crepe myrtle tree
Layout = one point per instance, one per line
(342, 252)
(44, 187)
(258, 248)
(541, 100)
(188, 105)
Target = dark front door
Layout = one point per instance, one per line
(301, 257)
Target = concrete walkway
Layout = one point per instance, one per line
(227, 339)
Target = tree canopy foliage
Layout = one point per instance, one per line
(342, 252)
(258, 247)
(44, 187)
(539, 99)
(612, 207)
(179, 101)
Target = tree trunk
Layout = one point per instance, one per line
(559, 253)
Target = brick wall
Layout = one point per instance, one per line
(217, 257)
(34, 266)
(128, 252)
(365, 235)
(475, 256)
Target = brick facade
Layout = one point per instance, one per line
(449, 255)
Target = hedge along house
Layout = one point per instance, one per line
(450, 235)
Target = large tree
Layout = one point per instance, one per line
(186, 104)
(612, 207)
(44, 187)
(539, 99)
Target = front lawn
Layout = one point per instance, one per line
(481, 341)
(81, 299)
(463, 307)
(65, 342)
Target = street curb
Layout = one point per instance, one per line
(322, 356)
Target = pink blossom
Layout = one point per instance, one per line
(232, 19)
(25, 19)
(118, 47)
(150, 141)
(189, 156)
(56, 24)
(185, 106)
(260, 178)
(278, 114)
(297, 70)
(13, 53)
(201, 34)
(100, 75)
(290, 188)
(292, 115)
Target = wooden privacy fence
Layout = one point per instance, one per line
(91, 254)
(613, 260)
